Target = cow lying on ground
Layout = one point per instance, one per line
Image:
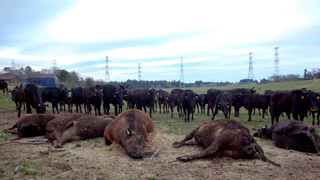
(223, 137)
(130, 130)
(292, 134)
(85, 127)
(31, 125)
(54, 128)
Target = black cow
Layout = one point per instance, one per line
(130, 99)
(65, 101)
(111, 95)
(292, 134)
(77, 98)
(294, 102)
(4, 86)
(54, 95)
(92, 96)
(162, 100)
(15, 96)
(175, 100)
(30, 93)
(144, 97)
(203, 100)
(223, 103)
(251, 101)
(187, 103)
(213, 93)
(313, 101)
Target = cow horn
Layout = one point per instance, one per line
(260, 151)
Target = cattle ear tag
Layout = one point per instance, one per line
(186, 97)
(318, 97)
(114, 95)
(95, 95)
(167, 98)
(128, 132)
(148, 93)
(302, 97)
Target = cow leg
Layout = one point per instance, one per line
(215, 113)
(19, 110)
(29, 111)
(318, 118)
(185, 114)
(150, 111)
(213, 148)
(171, 112)
(178, 144)
(250, 112)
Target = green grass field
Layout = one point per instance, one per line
(165, 124)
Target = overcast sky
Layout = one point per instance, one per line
(213, 37)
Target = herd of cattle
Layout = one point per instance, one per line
(130, 128)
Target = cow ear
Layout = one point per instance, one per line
(128, 132)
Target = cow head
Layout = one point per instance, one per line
(40, 108)
(15, 94)
(313, 101)
(134, 144)
(97, 96)
(224, 107)
(118, 97)
(264, 133)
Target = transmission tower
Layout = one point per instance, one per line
(107, 76)
(139, 71)
(54, 69)
(276, 73)
(250, 72)
(182, 85)
(12, 65)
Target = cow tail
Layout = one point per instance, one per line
(260, 151)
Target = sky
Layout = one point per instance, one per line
(213, 38)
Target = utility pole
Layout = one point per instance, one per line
(54, 67)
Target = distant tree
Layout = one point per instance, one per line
(63, 75)
(7, 69)
(89, 81)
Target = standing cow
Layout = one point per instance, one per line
(203, 100)
(175, 100)
(251, 101)
(92, 96)
(314, 104)
(223, 103)
(162, 100)
(54, 95)
(4, 86)
(294, 102)
(187, 103)
(130, 129)
(144, 98)
(111, 95)
(30, 93)
(15, 96)
(77, 98)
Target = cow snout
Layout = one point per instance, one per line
(250, 151)
(135, 155)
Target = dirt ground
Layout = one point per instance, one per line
(91, 159)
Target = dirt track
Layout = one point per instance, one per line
(91, 159)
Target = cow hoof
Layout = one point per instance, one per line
(184, 158)
(176, 144)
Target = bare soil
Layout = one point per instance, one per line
(91, 159)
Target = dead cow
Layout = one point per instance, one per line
(54, 128)
(32, 125)
(85, 127)
(223, 137)
(292, 134)
(130, 130)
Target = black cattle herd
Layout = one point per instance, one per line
(126, 125)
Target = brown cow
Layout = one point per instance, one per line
(54, 128)
(32, 125)
(223, 137)
(130, 130)
(83, 128)
(292, 134)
